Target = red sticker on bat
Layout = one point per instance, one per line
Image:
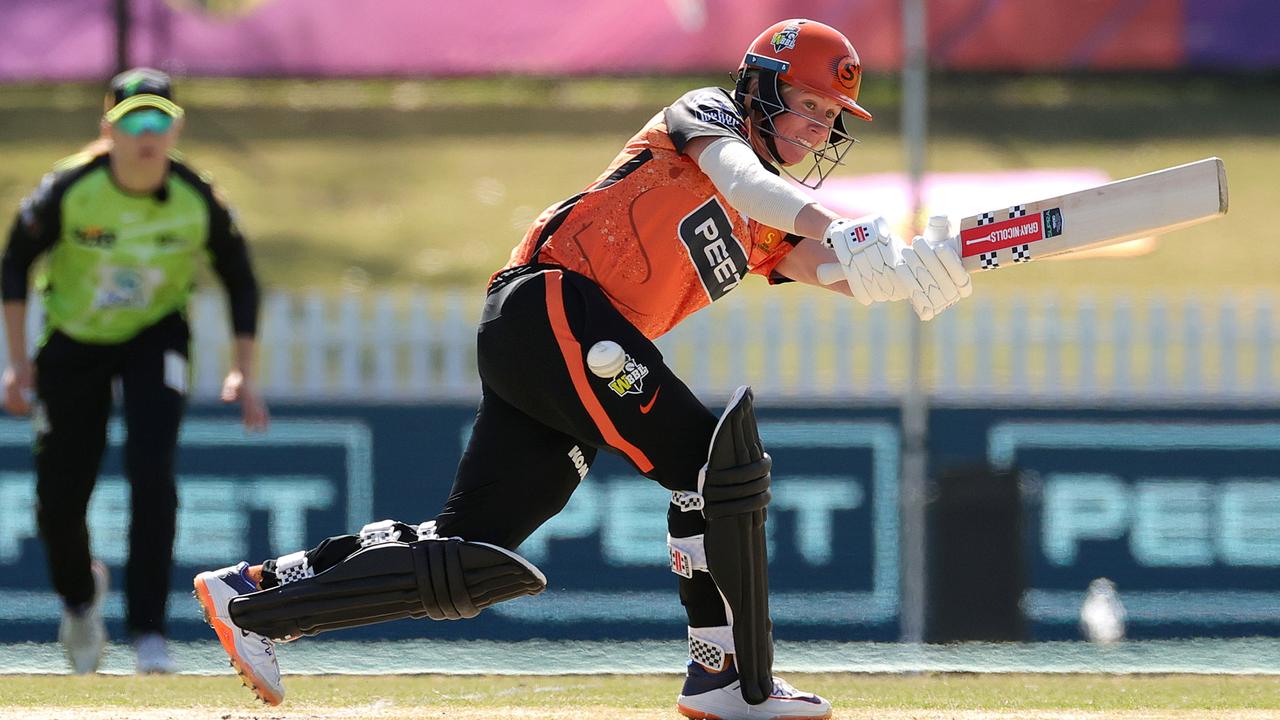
(1006, 233)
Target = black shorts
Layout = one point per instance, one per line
(544, 413)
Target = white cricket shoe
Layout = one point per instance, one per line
(82, 633)
(252, 655)
(715, 696)
(153, 654)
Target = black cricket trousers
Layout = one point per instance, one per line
(73, 386)
(544, 415)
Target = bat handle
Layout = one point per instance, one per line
(830, 273)
(938, 231)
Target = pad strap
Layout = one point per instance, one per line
(379, 532)
(293, 567)
(686, 501)
(710, 646)
(688, 554)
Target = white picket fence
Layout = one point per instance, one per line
(415, 346)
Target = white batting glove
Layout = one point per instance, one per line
(866, 253)
(934, 276)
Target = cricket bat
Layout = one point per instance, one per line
(1140, 206)
(1116, 212)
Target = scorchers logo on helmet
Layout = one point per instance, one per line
(785, 39)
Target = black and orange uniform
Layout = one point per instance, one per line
(648, 243)
(118, 273)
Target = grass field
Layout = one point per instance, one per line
(928, 696)
(357, 184)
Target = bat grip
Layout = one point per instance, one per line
(938, 231)
(830, 273)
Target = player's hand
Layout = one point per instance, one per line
(934, 276)
(19, 383)
(253, 410)
(865, 250)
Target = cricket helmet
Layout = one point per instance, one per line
(809, 55)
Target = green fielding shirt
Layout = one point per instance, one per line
(117, 262)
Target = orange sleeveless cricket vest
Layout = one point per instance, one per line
(652, 231)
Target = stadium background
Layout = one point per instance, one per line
(384, 161)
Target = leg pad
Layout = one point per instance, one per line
(735, 490)
(440, 579)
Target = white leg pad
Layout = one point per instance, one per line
(687, 555)
(710, 645)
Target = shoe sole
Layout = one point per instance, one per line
(689, 712)
(695, 714)
(226, 637)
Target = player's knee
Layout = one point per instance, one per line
(736, 478)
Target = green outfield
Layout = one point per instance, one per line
(614, 696)
(354, 184)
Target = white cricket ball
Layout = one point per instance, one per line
(606, 359)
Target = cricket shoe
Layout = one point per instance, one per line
(716, 696)
(82, 632)
(153, 654)
(252, 655)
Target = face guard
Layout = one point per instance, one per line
(768, 104)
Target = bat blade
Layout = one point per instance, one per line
(1116, 212)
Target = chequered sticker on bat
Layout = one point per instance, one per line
(986, 218)
(1022, 253)
(989, 260)
(1017, 211)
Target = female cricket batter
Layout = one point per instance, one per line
(124, 227)
(691, 205)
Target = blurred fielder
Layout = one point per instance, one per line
(124, 226)
(691, 205)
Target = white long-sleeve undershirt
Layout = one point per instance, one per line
(752, 190)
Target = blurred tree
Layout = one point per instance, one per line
(217, 8)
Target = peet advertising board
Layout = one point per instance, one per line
(1180, 508)
(326, 470)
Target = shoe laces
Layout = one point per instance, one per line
(784, 689)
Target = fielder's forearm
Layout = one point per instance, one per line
(245, 352)
(15, 331)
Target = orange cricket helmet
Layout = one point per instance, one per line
(809, 55)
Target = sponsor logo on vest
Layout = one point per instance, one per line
(716, 114)
(94, 236)
(707, 233)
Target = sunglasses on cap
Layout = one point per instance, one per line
(145, 121)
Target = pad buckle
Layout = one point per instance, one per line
(293, 567)
(686, 501)
(706, 653)
(379, 532)
(681, 562)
